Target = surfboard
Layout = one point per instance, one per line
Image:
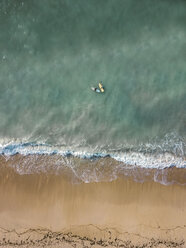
(101, 87)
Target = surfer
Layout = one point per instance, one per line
(100, 89)
(95, 89)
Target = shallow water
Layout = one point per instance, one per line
(52, 53)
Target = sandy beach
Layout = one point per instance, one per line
(48, 210)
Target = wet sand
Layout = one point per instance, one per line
(48, 210)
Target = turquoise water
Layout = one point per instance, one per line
(53, 52)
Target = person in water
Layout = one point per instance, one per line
(96, 89)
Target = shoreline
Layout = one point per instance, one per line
(79, 170)
(143, 157)
(123, 211)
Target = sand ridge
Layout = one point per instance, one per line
(41, 237)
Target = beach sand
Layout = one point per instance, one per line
(48, 210)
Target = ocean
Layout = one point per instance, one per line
(53, 52)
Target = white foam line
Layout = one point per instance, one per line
(136, 159)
